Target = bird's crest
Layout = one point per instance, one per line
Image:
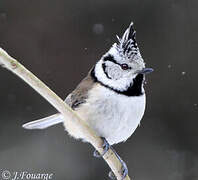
(127, 45)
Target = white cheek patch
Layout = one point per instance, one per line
(118, 84)
(114, 72)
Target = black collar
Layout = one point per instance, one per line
(135, 89)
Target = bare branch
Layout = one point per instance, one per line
(13, 65)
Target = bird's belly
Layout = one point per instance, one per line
(113, 117)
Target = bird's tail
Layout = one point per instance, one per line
(45, 122)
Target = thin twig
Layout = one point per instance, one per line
(13, 65)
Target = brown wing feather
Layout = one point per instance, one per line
(80, 94)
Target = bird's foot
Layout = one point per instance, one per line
(105, 146)
(112, 175)
(124, 172)
(124, 168)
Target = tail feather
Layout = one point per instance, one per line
(44, 123)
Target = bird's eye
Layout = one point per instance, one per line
(124, 66)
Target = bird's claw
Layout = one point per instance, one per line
(124, 169)
(105, 146)
(112, 175)
(124, 172)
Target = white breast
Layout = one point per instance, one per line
(111, 115)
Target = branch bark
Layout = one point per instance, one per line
(14, 66)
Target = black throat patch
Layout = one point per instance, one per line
(135, 89)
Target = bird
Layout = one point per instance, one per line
(111, 98)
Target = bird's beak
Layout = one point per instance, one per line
(145, 71)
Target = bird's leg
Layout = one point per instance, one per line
(105, 146)
(124, 167)
(112, 175)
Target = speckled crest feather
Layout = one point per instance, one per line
(127, 45)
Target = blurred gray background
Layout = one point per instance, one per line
(60, 41)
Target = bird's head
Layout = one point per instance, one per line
(122, 63)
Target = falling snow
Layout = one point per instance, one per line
(169, 66)
(98, 28)
(3, 16)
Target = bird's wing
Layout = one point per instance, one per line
(80, 94)
(74, 99)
